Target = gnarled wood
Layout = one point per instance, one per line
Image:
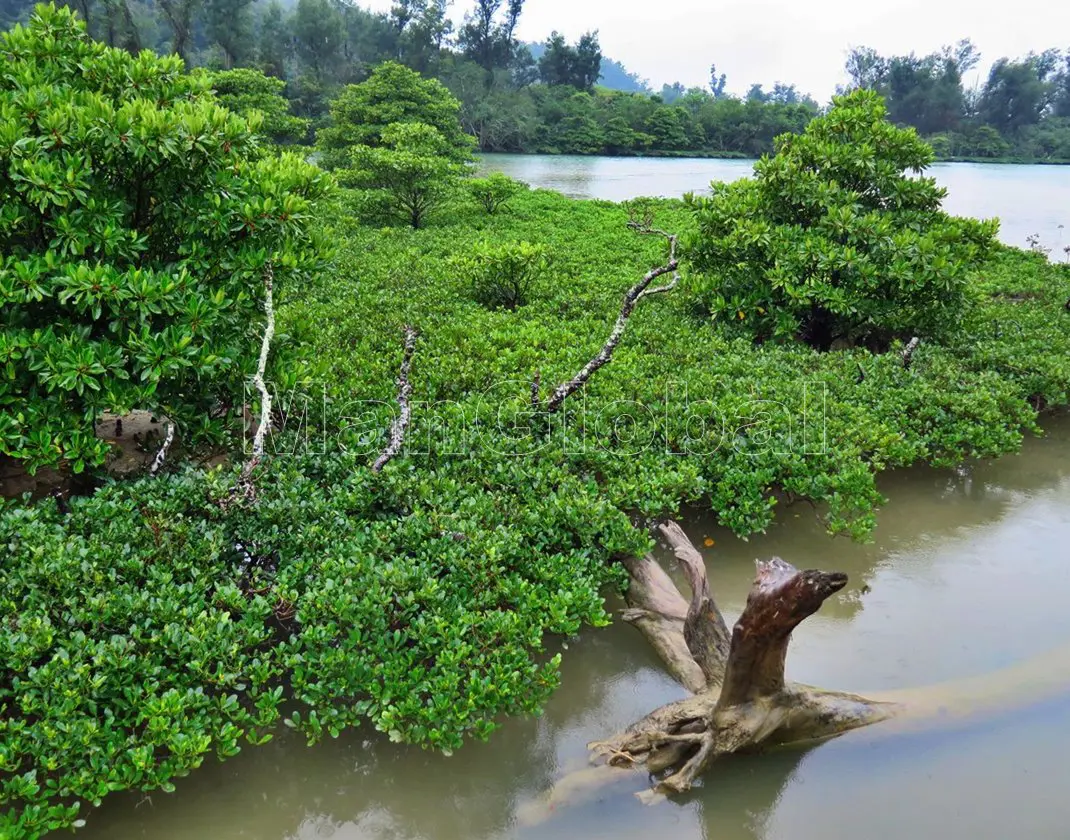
(781, 598)
(742, 701)
(705, 631)
(658, 611)
(400, 425)
(245, 488)
(909, 350)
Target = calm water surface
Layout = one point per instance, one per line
(1026, 199)
(967, 574)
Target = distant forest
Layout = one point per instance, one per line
(561, 97)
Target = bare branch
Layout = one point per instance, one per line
(245, 486)
(705, 631)
(161, 456)
(401, 424)
(634, 295)
(908, 352)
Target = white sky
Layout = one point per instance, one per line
(775, 40)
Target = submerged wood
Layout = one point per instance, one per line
(740, 699)
(757, 707)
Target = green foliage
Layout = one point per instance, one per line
(503, 276)
(1016, 114)
(411, 171)
(578, 66)
(686, 412)
(836, 239)
(244, 91)
(487, 37)
(136, 218)
(392, 94)
(139, 642)
(495, 191)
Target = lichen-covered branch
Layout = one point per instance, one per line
(909, 350)
(401, 423)
(245, 486)
(634, 295)
(161, 455)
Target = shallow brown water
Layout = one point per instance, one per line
(966, 575)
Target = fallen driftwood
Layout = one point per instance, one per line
(740, 698)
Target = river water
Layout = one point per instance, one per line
(968, 574)
(1026, 199)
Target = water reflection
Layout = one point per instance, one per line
(965, 575)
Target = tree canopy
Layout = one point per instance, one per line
(837, 238)
(392, 94)
(137, 217)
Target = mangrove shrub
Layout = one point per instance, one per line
(140, 641)
(495, 191)
(838, 237)
(392, 94)
(136, 218)
(408, 176)
(503, 276)
(244, 90)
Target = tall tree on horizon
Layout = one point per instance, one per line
(273, 45)
(179, 15)
(229, 25)
(717, 83)
(489, 43)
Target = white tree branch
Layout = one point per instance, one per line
(401, 424)
(635, 294)
(161, 456)
(245, 486)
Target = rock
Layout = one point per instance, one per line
(135, 439)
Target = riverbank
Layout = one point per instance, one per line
(1017, 161)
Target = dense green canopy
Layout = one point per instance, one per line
(137, 216)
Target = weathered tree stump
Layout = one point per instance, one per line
(740, 698)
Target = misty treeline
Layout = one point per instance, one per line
(1021, 109)
(562, 97)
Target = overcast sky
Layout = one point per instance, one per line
(765, 41)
